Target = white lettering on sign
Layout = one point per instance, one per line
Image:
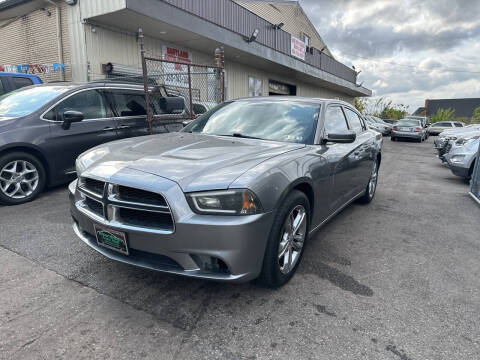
(298, 48)
(175, 73)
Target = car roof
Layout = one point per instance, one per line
(31, 76)
(295, 98)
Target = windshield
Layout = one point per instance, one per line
(25, 101)
(289, 121)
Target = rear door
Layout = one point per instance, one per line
(98, 126)
(362, 154)
(130, 111)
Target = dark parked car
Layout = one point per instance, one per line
(14, 81)
(234, 195)
(44, 128)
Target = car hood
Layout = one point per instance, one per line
(196, 162)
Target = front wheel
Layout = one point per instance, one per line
(286, 241)
(22, 178)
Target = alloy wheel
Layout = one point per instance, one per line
(19, 179)
(372, 185)
(292, 239)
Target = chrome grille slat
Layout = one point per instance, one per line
(117, 207)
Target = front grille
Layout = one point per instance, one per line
(94, 186)
(94, 206)
(126, 205)
(146, 219)
(140, 196)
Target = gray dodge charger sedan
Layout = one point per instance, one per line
(234, 196)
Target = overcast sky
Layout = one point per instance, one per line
(436, 43)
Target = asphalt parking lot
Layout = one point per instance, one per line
(397, 279)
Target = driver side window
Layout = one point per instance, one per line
(335, 120)
(89, 102)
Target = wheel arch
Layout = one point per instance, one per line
(29, 149)
(303, 185)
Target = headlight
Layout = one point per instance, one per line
(227, 202)
(457, 158)
(464, 141)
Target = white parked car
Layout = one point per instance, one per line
(437, 128)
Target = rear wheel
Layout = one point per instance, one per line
(372, 185)
(286, 242)
(22, 178)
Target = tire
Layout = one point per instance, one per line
(370, 192)
(25, 168)
(274, 272)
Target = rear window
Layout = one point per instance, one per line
(129, 103)
(20, 82)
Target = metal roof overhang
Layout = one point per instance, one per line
(10, 9)
(188, 30)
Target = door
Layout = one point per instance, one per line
(341, 158)
(130, 111)
(363, 155)
(97, 127)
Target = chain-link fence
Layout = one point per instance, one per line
(475, 181)
(200, 86)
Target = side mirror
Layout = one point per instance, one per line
(343, 137)
(70, 117)
(172, 105)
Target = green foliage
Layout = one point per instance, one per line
(360, 104)
(381, 107)
(476, 116)
(443, 115)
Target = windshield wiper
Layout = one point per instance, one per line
(239, 135)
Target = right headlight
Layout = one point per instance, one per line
(225, 202)
(457, 158)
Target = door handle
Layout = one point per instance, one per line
(124, 127)
(108, 128)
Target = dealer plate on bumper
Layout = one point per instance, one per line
(111, 239)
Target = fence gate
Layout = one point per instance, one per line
(201, 86)
(475, 181)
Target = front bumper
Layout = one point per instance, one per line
(195, 245)
(458, 169)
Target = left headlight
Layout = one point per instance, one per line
(225, 202)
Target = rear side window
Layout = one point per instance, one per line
(443, 124)
(89, 102)
(458, 125)
(19, 82)
(335, 120)
(128, 103)
(2, 89)
(353, 120)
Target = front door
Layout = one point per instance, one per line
(66, 143)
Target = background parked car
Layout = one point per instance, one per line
(461, 159)
(437, 128)
(378, 124)
(408, 129)
(389, 121)
(14, 81)
(44, 128)
(447, 138)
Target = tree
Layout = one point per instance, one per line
(476, 116)
(360, 104)
(443, 115)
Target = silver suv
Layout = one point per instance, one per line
(437, 128)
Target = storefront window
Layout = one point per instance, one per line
(254, 87)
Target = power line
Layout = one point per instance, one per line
(412, 66)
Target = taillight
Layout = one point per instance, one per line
(394, 128)
(417, 129)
